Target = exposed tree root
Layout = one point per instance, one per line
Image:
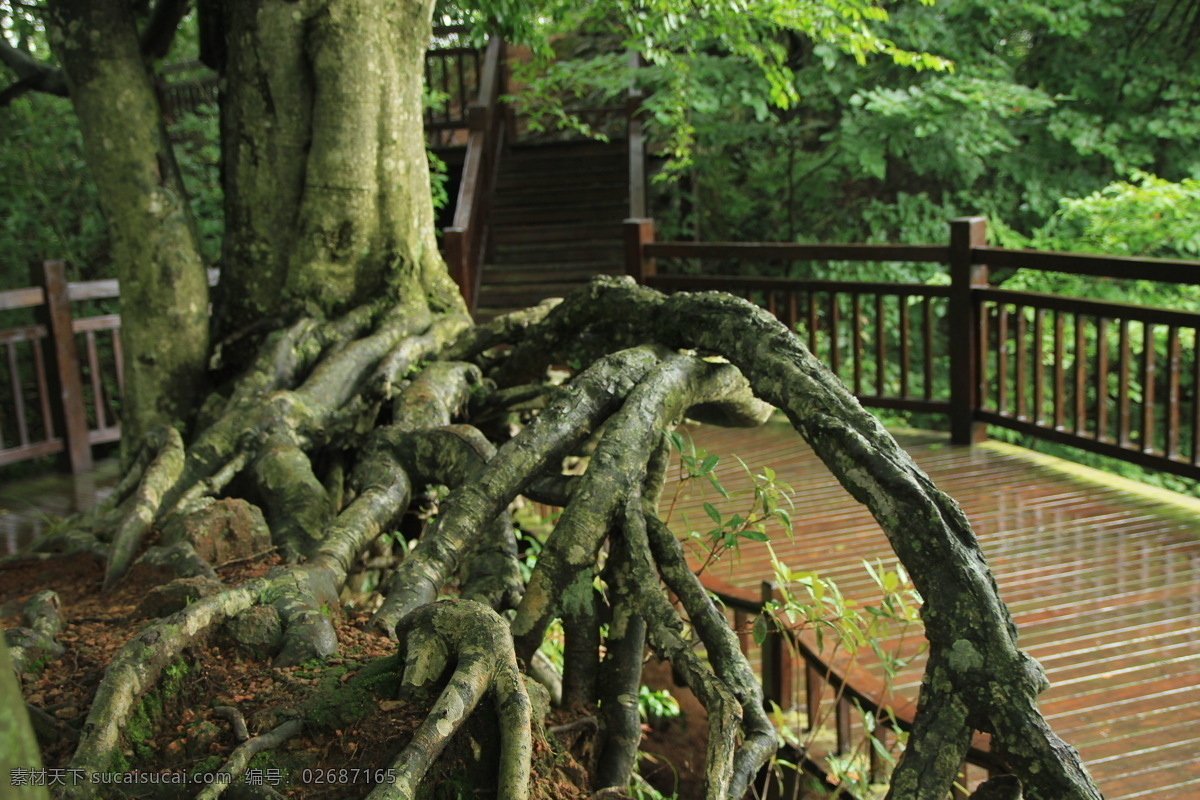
(240, 732)
(550, 437)
(159, 475)
(135, 669)
(665, 633)
(478, 641)
(337, 425)
(237, 763)
(35, 642)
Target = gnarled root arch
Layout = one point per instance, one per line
(386, 393)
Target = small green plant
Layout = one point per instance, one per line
(656, 705)
(642, 789)
(841, 630)
(768, 496)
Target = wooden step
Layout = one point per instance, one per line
(564, 253)
(601, 231)
(560, 180)
(567, 193)
(563, 214)
(535, 274)
(556, 222)
(553, 152)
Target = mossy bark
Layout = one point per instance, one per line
(18, 746)
(326, 180)
(164, 288)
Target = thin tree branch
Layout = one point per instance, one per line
(159, 33)
(32, 75)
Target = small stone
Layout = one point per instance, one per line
(257, 632)
(221, 530)
(176, 596)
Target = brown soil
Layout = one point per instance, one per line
(332, 757)
(339, 751)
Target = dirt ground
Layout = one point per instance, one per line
(176, 728)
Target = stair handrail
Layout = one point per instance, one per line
(636, 142)
(466, 238)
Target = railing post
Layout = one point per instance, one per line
(841, 723)
(477, 117)
(773, 657)
(66, 366)
(455, 242)
(638, 234)
(965, 275)
(814, 687)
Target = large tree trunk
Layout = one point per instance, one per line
(325, 173)
(164, 290)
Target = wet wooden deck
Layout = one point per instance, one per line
(1104, 585)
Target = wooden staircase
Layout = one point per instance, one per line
(555, 222)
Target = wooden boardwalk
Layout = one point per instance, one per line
(1104, 585)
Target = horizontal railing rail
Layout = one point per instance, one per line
(65, 370)
(1114, 378)
(74, 401)
(799, 252)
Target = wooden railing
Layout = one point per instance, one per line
(57, 400)
(465, 241)
(1112, 378)
(65, 369)
(635, 141)
(182, 95)
(454, 74)
(834, 691)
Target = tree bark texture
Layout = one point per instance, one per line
(325, 174)
(164, 287)
(18, 746)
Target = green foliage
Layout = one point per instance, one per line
(1143, 216)
(765, 504)
(673, 38)
(656, 705)
(49, 205)
(843, 629)
(437, 185)
(196, 137)
(1046, 100)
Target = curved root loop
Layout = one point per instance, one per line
(485, 660)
